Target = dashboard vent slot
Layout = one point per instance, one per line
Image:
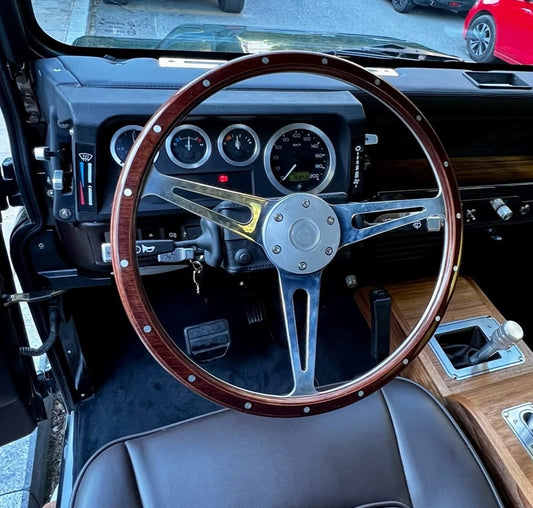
(496, 80)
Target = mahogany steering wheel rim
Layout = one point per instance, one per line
(123, 230)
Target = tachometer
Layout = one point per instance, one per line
(188, 146)
(300, 158)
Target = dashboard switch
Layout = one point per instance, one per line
(503, 211)
(471, 215)
(144, 248)
(57, 180)
(41, 153)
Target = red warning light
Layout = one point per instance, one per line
(223, 178)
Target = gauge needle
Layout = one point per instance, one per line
(286, 175)
(238, 143)
(188, 142)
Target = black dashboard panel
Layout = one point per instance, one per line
(252, 177)
(320, 122)
(373, 154)
(86, 122)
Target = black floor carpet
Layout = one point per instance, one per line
(133, 393)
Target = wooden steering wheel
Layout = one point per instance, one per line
(310, 234)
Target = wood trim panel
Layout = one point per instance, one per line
(480, 412)
(477, 403)
(468, 301)
(469, 171)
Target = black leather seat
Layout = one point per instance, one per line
(397, 448)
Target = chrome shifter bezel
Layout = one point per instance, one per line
(487, 325)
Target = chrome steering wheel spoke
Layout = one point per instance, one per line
(392, 215)
(300, 298)
(167, 187)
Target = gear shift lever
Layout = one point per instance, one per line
(507, 334)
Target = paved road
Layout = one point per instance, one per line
(435, 28)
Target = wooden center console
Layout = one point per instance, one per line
(478, 402)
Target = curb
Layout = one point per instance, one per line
(79, 20)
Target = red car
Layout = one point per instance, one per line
(500, 29)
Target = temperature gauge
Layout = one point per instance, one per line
(188, 146)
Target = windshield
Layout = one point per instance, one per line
(411, 29)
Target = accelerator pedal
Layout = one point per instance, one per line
(255, 310)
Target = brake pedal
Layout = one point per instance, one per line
(207, 341)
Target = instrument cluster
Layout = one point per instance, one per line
(294, 157)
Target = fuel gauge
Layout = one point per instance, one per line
(238, 144)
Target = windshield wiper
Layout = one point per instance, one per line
(396, 51)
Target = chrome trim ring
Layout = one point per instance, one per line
(226, 157)
(193, 165)
(328, 171)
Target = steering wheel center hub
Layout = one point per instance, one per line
(301, 234)
(304, 234)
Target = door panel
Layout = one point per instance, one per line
(19, 403)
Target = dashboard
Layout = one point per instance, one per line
(269, 136)
(255, 140)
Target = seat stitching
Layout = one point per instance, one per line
(393, 426)
(133, 470)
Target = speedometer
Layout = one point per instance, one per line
(300, 158)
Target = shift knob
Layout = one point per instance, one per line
(507, 334)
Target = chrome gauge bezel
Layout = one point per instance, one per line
(250, 131)
(114, 141)
(175, 160)
(329, 171)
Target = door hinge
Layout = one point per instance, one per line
(37, 296)
(46, 383)
(9, 191)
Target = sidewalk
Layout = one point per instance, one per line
(64, 20)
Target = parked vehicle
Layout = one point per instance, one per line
(234, 6)
(500, 29)
(458, 6)
(265, 267)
